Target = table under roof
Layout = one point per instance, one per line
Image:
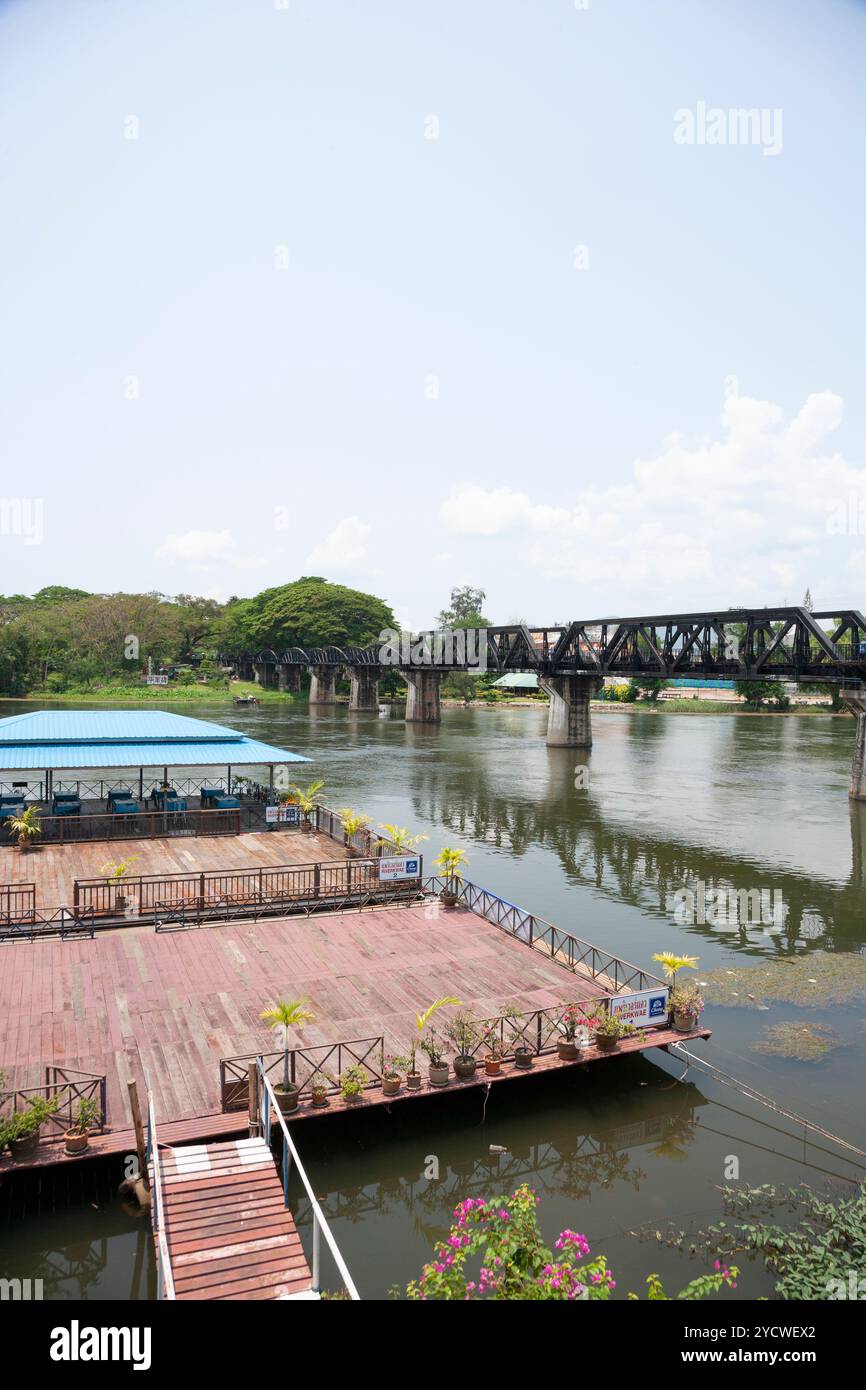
(58, 740)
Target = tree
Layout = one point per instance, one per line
(807, 601)
(648, 686)
(465, 610)
(756, 692)
(310, 612)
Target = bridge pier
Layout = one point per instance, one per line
(323, 685)
(855, 702)
(289, 678)
(364, 688)
(423, 703)
(569, 724)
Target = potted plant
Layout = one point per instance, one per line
(398, 839)
(352, 1082)
(461, 1033)
(672, 964)
(567, 1045)
(321, 1083)
(392, 1068)
(26, 826)
(77, 1136)
(449, 861)
(413, 1075)
(307, 798)
(608, 1029)
(687, 1005)
(23, 1128)
(428, 1043)
(286, 1014)
(353, 821)
(115, 873)
(493, 1044)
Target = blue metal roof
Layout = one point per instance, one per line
(63, 739)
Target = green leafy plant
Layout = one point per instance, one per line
(392, 1065)
(687, 999)
(307, 798)
(672, 963)
(86, 1116)
(352, 1081)
(611, 1025)
(572, 1018)
(120, 868)
(461, 1032)
(353, 821)
(450, 862)
(22, 1123)
(286, 1014)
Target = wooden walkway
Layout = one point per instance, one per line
(230, 1235)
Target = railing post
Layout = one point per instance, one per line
(253, 1093)
(316, 1244)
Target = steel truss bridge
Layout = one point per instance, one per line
(736, 644)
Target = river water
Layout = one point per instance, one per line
(598, 843)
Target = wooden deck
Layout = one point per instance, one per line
(133, 1001)
(229, 1233)
(54, 867)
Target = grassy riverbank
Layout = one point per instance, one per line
(157, 694)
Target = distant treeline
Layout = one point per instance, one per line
(66, 640)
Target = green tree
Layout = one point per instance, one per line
(756, 693)
(648, 686)
(310, 612)
(465, 609)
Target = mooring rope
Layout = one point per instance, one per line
(726, 1079)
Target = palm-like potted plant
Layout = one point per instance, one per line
(450, 862)
(671, 965)
(77, 1137)
(286, 1014)
(115, 873)
(429, 1043)
(307, 798)
(398, 839)
(25, 825)
(460, 1032)
(353, 821)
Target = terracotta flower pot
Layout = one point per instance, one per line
(319, 1098)
(492, 1065)
(438, 1076)
(390, 1085)
(464, 1067)
(413, 1081)
(75, 1143)
(683, 1022)
(567, 1049)
(287, 1100)
(605, 1042)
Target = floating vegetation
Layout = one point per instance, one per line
(818, 978)
(808, 1042)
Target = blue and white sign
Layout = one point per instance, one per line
(396, 867)
(282, 815)
(643, 1010)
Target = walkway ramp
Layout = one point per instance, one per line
(228, 1231)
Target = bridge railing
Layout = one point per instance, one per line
(269, 1111)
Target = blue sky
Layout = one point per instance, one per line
(283, 331)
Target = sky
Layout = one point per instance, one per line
(412, 295)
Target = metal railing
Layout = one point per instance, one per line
(17, 902)
(62, 922)
(174, 916)
(561, 946)
(306, 1066)
(68, 1086)
(268, 1109)
(137, 825)
(164, 1276)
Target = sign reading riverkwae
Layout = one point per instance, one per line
(399, 866)
(643, 1009)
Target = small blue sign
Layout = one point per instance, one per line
(411, 866)
(658, 1006)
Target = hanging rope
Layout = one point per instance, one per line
(725, 1079)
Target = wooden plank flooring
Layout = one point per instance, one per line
(133, 1001)
(54, 867)
(229, 1233)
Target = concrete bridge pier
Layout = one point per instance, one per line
(855, 702)
(423, 704)
(323, 685)
(289, 679)
(568, 723)
(364, 688)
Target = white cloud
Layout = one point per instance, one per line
(205, 550)
(342, 548)
(744, 513)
